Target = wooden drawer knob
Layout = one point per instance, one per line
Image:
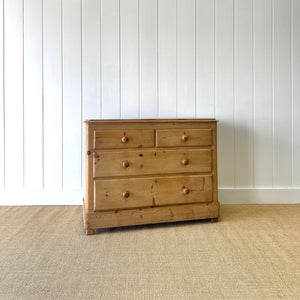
(185, 162)
(124, 139)
(126, 194)
(185, 190)
(125, 164)
(184, 138)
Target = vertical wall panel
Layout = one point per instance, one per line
(243, 94)
(167, 65)
(2, 145)
(205, 59)
(110, 59)
(224, 92)
(296, 91)
(91, 59)
(263, 138)
(52, 94)
(13, 94)
(129, 59)
(71, 94)
(148, 58)
(186, 59)
(33, 95)
(63, 61)
(91, 67)
(282, 94)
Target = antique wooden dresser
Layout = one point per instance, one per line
(150, 171)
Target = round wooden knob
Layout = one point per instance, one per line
(185, 190)
(124, 139)
(126, 194)
(185, 162)
(125, 164)
(184, 138)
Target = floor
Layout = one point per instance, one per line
(252, 253)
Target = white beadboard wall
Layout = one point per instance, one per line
(64, 61)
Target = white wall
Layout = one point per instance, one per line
(63, 61)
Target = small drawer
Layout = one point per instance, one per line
(150, 192)
(115, 139)
(148, 161)
(183, 137)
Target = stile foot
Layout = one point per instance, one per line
(89, 231)
(214, 220)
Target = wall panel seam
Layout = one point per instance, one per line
(176, 31)
(234, 93)
(157, 58)
(43, 102)
(62, 95)
(100, 63)
(292, 89)
(195, 58)
(120, 62)
(3, 100)
(81, 96)
(139, 57)
(214, 57)
(273, 95)
(253, 91)
(23, 90)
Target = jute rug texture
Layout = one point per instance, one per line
(252, 253)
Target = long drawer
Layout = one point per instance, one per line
(146, 162)
(151, 191)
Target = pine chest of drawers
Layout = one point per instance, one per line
(150, 171)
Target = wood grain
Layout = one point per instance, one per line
(89, 192)
(111, 139)
(130, 186)
(173, 137)
(151, 191)
(141, 162)
(151, 215)
(151, 122)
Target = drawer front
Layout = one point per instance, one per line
(150, 192)
(115, 139)
(183, 137)
(143, 162)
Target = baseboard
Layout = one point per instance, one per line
(259, 196)
(41, 197)
(74, 197)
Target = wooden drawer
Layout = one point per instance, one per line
(115, 139)
(153, 191)
(143, 162)
(183, 137)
